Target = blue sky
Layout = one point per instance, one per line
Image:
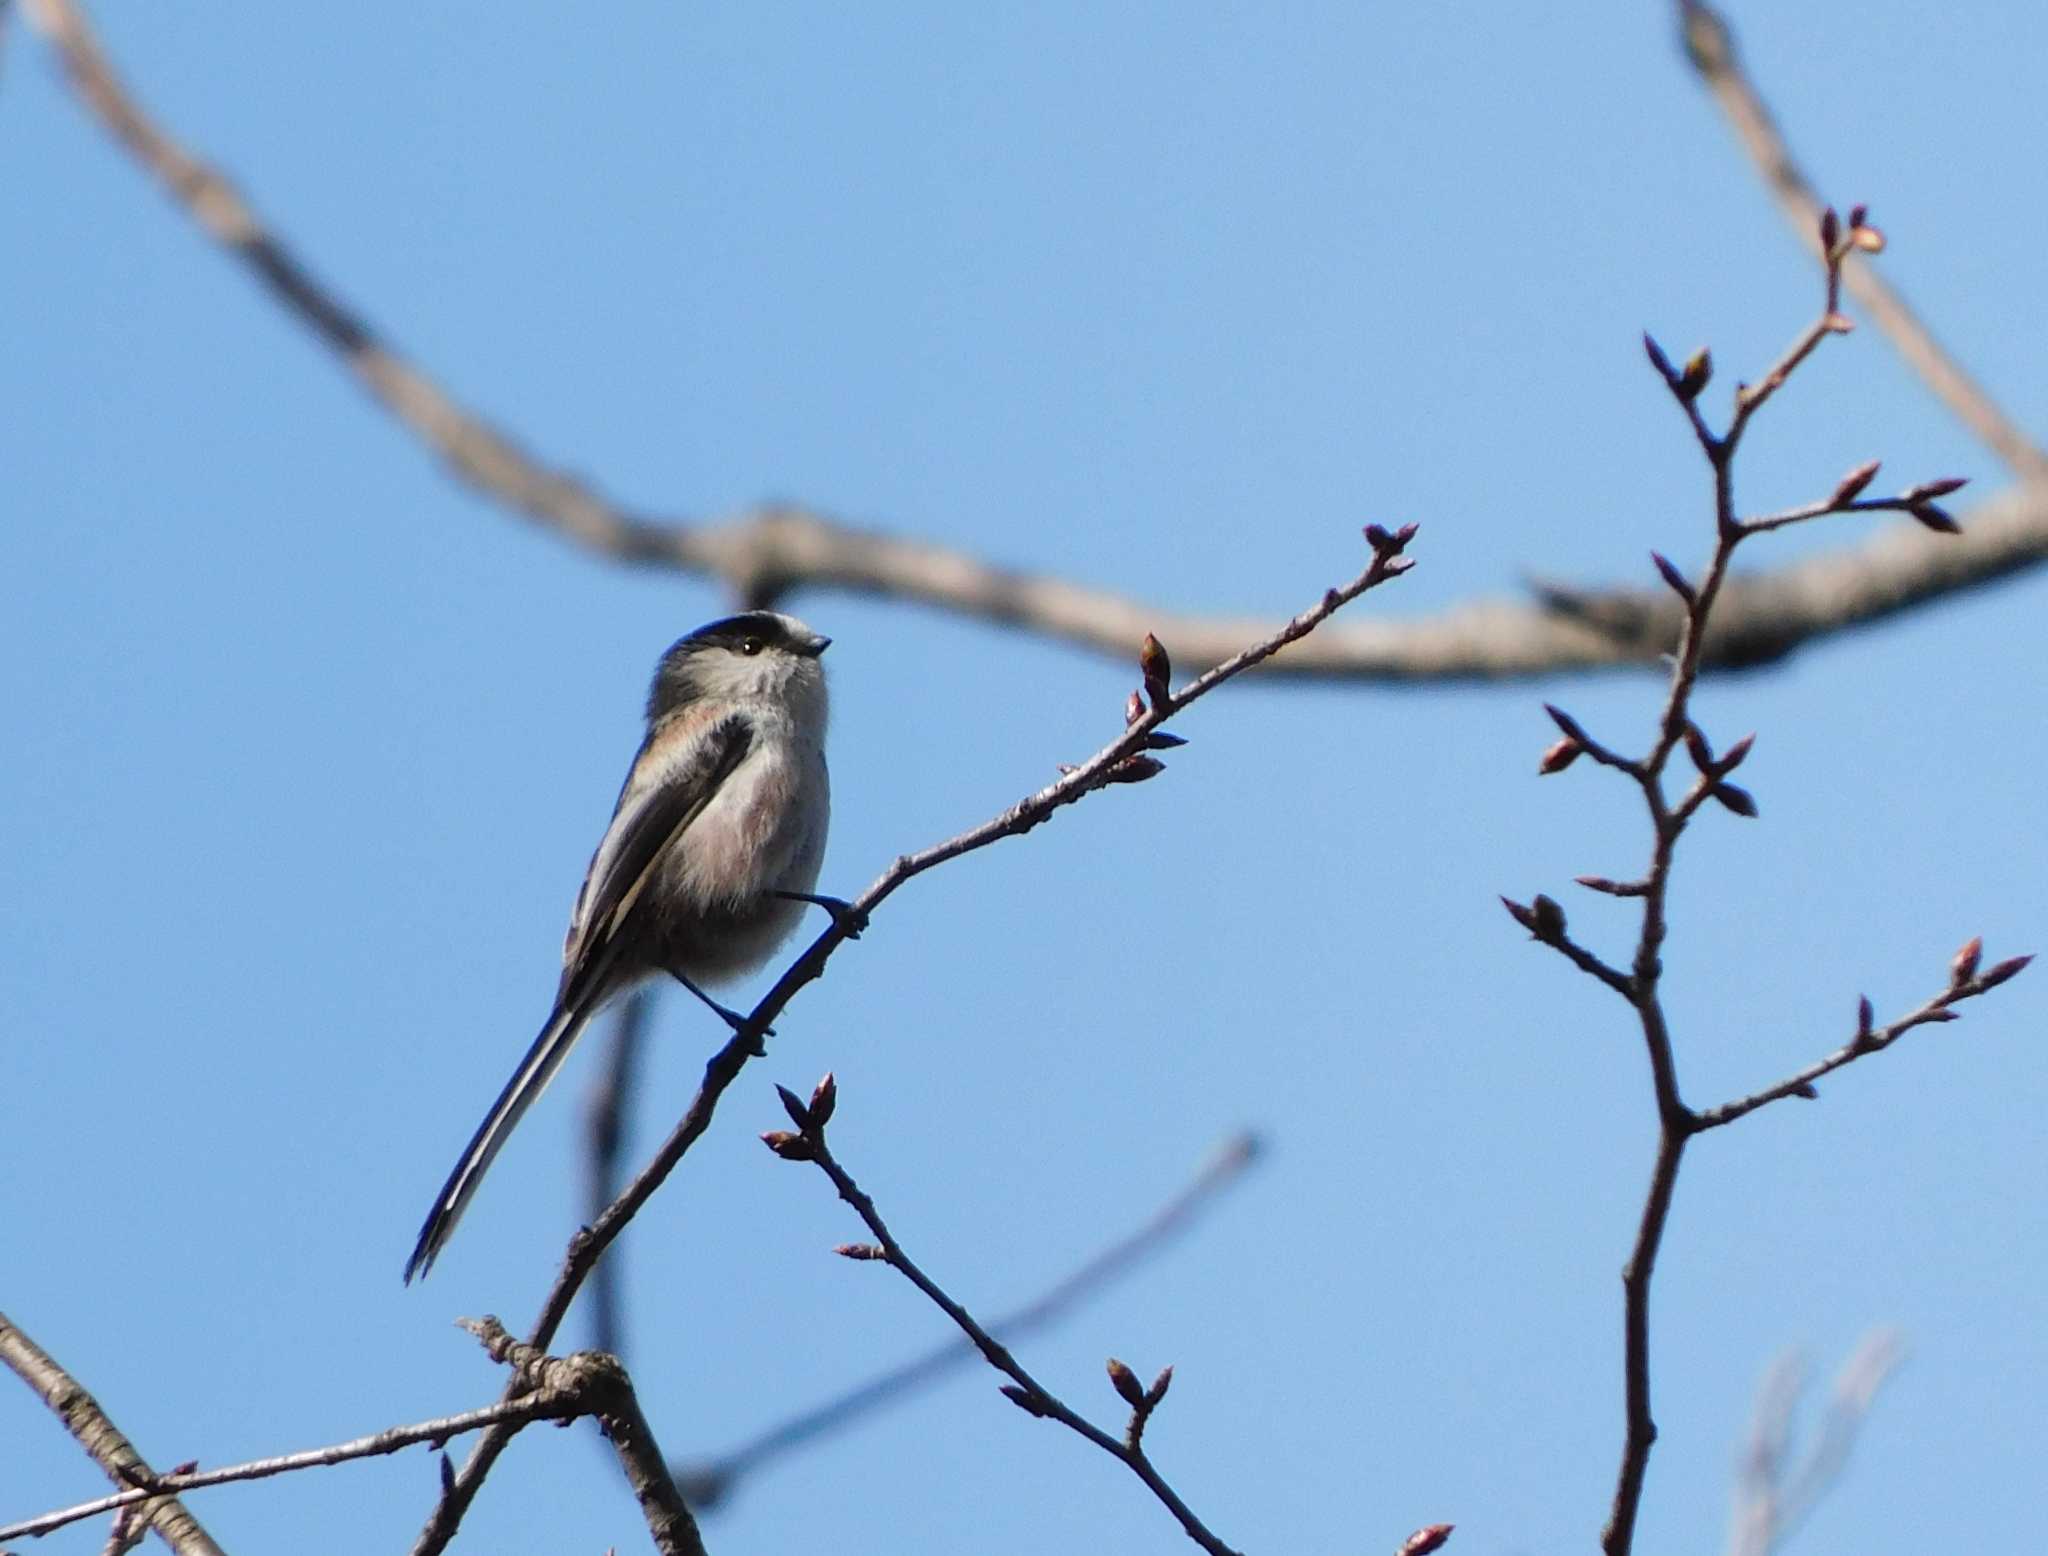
(312, 746)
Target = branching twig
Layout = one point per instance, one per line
(97, 1435)
(1640, 987)
(763, 553)
(710, 1481)
(1124, 760)
(1710, 46)
(1870, 1041)
(1023, 1390)
(599, 1387)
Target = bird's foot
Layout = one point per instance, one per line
(849, 919)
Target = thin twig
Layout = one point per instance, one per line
(1710, 46)
(1025, 1391)
(710, 1481)
(762, 553)
(1866, 1041)
(512, 1413)
(98, 1436)
(1116, 762)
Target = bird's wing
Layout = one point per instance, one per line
(675, 775)
(671, 781)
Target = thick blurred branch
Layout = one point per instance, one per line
(762, 554)
(1775, 1492)
(605, 1132)
(97, 1435)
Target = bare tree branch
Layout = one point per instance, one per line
(1126, 759)
(1710, 46)
(712, 1480)
(764, 553)
(1775, 1495)
(1024, 1391)
(1695, 603)
(513, 1414)
(1866, 1041)
(600, 1387)
(97, 1435)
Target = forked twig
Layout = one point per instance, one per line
(1126, 759)
(1670, 814)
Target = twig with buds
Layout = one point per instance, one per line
(806, 1143)
(1126, 759)
(1670, 814)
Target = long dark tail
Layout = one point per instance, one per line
(545, 1057)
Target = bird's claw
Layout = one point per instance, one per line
(848, 919)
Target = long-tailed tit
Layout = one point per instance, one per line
(707, 863)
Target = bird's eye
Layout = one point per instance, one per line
(751, 646)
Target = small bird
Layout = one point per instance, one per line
(711, 853)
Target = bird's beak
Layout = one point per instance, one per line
(817, 645)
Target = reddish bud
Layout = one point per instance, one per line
(1547, 918)
(1564, 721)
(1830, 230)
(1426, 1539)
(1612, 888)
(1941, 488)
(790, 1147)
(824, 1098)
(1696, 747)
(1736, 798)
(1732, 758)
(1658, 360)
(1126, 1383)
(2011, 967)
(1560, 756)
(1940, 520)
(1134, 709)
(1673, 577)
(1963, 966)
(1135, 769)
(1388, 544)
(799, 1115)
(1857, 213)
(1864, 1016)
(1160, 1385)
(1156, 667)
(1853, 484)
(1699, 368)
(860, 1251)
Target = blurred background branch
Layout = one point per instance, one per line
(762, 554)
